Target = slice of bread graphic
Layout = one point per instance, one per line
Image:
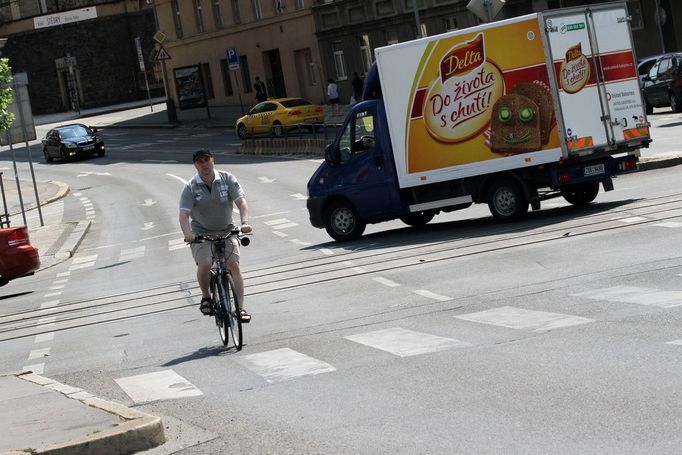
(540, 94)
(515, 125)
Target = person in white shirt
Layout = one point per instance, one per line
(333, 94)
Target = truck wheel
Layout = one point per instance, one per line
(417, 219)
(582, 194)
(675, 103)
(342, 222)
(506, 201)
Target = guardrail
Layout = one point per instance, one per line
(300, 139)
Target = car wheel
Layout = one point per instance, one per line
(62, 155)
(342, 222)
(241, 131)
(48, 158)
(277, 129)
(506, 200)
(675, 103)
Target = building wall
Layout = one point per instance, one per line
(105, 64)
(290, 34)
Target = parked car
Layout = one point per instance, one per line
(68, 142)
(275, 116)
(17, 256)
(644, 66)
(663, 84)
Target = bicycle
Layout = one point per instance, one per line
(226, 307)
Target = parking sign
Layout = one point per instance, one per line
(232, 58)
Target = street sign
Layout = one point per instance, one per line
(162, 55)
(232, 58)
(140, 57)
(159, 37)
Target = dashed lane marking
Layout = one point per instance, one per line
(160, 385)
(284, 364)
(669, 224)
(432, 295)
(39, 353)
(521, 319)
(675, 342)
(631, 294)
(405, 343)
(386, 282)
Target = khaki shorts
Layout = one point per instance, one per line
(202, 251)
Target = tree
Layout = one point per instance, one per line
(6, 98)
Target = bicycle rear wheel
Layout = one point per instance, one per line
(218, 311)
(231, 310)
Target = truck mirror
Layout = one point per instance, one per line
(331, 155)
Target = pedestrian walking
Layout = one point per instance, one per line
(261, 90)
(358, 84)
(333, 94)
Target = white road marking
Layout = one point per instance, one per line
(132, 253)
(82, 259)
(265, 180)
(52, 294)
(386, 282)
(518, 318)
(300, 242)
(39, 353)
(675, 342)
(177, 244)
(268, 215)
(284, 364)
(405, 343)
(59, 286)
(631, 294)
(280, 234)
(326, 251)
(299, 196)
(148, 202)
(37, 368)
(431, 295)
(285, 226)
(148, 225)
(43, 337)
(65, 280)
(78, 194)
(276, 222)
(161, 385)
(632, 219)
(81, 266)
(178, 178)
(61, 274)
(669, 224)
(46, 322)
(87, 204)
(50, 304)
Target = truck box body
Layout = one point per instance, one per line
(548, 99)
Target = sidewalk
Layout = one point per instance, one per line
(42, 416)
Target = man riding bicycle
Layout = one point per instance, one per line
(207, 199)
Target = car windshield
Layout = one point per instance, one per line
(295, 102)
(74, 131)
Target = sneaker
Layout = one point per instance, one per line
(206, 306)
(244, 316)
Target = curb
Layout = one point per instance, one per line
(659, 163)
(71, 244)
(138, 431)
(61, 192)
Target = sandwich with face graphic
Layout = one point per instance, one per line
(515, 125)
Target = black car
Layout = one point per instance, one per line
(663, 84)
(72, 141)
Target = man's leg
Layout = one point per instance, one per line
(204, 276)
(236, 273)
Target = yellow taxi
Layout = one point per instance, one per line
(275, 116)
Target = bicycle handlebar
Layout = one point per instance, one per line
(199, 238)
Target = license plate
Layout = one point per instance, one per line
(88, 147)
(594, 169)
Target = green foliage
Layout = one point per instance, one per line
(6, 98)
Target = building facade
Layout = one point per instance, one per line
(79, 53)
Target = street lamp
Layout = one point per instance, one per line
(170, 105)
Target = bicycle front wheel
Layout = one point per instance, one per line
(218, 311)
(231, 309)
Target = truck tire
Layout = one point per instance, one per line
(417, 219)
(506, 200)
(342, 222)
(580, 195)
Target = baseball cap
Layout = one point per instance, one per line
(199, 153)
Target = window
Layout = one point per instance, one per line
(422, 31)
(208, 80)
(300, 4)
(227, 77)
(278, 7)
(257, 9)
(635, 12)
(236, 13)
(365, 53)
(176, 19)
(391, 37)
(198, 16)
(339, 61)
(450, 23)
(350, 140)
(217, 15)
(246, 75)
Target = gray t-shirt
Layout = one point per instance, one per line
(211, 211)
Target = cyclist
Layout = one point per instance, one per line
(207, 199)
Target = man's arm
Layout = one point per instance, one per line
(184, 225)
(243, 207)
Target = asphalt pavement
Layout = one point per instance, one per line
(42, 416)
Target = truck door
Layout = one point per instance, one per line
(369, 175)
(595, 73)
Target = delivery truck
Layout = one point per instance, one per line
(509, 114)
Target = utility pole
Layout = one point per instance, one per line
(170, 105)
(416, 18)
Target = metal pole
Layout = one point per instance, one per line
(239, 92)
(416, 18)
(170, 104)
(16, 177)
(489, 10)
(659, 22)
(22, 122)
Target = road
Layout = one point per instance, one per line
(558, 334)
